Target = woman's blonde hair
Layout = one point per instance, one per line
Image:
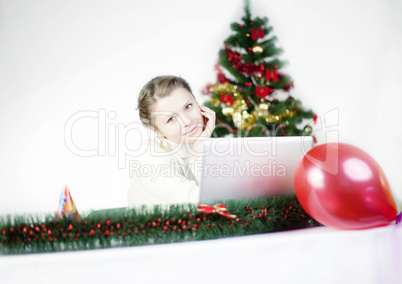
(159, 87)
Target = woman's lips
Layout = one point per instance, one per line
(192, 131)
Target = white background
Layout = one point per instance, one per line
(315, 255)
(63, 58)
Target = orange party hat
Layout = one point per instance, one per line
(67, 206)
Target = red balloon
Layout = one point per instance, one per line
(341, 186)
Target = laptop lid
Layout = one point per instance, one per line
(250, 167)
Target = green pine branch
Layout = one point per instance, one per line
(178, 223)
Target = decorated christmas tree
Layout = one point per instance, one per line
(251, 95)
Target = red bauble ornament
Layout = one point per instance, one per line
(341, 186)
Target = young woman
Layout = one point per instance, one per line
(169, 172)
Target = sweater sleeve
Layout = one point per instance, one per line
(159, 180)
(195, 164)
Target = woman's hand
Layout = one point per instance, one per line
(209, 126)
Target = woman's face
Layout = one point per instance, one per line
(177, 117)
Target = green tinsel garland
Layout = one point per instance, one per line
(140, 227)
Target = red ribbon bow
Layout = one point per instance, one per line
(273, 75)
(227, 98)
(218, 208)
(257, 33)
(262, 92)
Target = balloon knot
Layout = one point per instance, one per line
(398, 218)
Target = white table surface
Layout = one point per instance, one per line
(314, 255)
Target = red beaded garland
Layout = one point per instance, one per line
(54, 232)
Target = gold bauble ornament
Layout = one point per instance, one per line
(257, 48)
(227, 111)
(308, 130)
(263, 107)
(262, 110)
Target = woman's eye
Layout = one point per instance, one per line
(170, 119)
(189, 106)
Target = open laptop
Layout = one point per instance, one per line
(250, 167)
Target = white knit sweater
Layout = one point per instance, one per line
(164, 176)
